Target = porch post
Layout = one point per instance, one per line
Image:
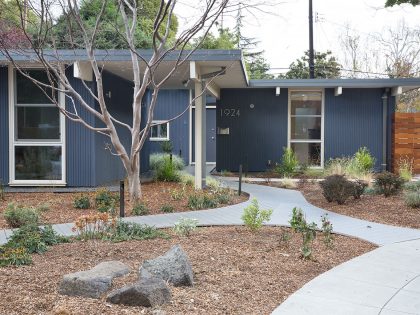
(200, 136)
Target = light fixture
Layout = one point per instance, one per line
(277, 91)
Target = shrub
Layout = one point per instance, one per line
(289, 163)
(337, 166)
(213, 184)
(185, 226)
(167, 208)
(223, 196)
(93, 226)
(2, 194)
(253, 217)
(412, 199)
(105, 200)
(370, 191)
(308, 232)
(327, 229)
(140, 209)
(43, 207)
(297, 220)
(167, 171)
(314, 172)
(81, 202)
(14, 256)
(388, 183)
(177, 194)
(288, 183)
(405, 168)
(337, 188)
(125, 231)
(412, 186)
(17, 216)
(359, 187)
(187, 179)
(166, 146)
(157, 160)
(364, 159)
(197, 201)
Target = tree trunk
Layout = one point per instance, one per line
(134, 185)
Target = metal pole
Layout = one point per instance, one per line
(122, 212)
(311, 43)
(240, 180)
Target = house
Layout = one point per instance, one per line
(245, 122)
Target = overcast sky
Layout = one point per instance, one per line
(283, 34)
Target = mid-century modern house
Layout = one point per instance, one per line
(246, 121)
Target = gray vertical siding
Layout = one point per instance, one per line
(353, 120)
(256, 135)
(391, 110)
(4, 126)
(80, 156)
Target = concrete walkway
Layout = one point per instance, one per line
(384, 281)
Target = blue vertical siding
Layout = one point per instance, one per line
(4, 126)
(353, 120)
(171, 103)
(256, 135)
(80, 155)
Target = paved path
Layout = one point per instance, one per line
(383, 281)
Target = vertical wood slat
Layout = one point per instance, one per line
(406, 139)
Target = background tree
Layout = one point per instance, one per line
(391, 3)
(224, 40)
(326, 67)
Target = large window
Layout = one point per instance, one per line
(305, 121)
(159, 132)
(37, 143)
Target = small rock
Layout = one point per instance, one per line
(149, 292)
(93, 282)
(174, 267)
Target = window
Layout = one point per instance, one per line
(306, 126)
(159, 132)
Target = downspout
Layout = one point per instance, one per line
(384, 128)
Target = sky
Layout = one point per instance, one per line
(283, 32)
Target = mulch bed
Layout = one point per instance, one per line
(236, 272)
(376, 208)
(61, 210)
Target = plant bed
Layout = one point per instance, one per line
(376, 208)
(156, 195)
(235, 272)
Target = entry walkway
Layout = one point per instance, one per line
(384, 281)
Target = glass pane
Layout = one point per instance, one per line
(308, 153)
(28, 92)
(306, 128)
(38, 122)
(154, 132)
(37, 163)
(306, 103)
(163, 131)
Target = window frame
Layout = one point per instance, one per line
(158, 123)
(322, 116)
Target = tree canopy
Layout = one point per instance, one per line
(391, 3)
(326, 67)
(109, 35)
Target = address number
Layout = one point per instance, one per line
(230, 112)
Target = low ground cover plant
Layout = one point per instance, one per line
(125, 231)
(202, 200)
(105, 200)
(81, 202)
(185, 226)
(140, 209)
(167, 208)
(388, 184)
(14, 256)
(412, 194)
(254, 217)
(17, 216)
(93, 226)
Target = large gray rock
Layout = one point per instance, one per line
(150, 291)
(174, 267)
(93, 282)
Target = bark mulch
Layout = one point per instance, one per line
(61, 210)
(376, 208)
(236, 272)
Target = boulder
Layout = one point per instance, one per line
(93, 282)
(149, 291)
(174, 267)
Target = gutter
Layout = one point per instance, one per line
(384, 128)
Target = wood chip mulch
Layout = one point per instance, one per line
(376, 208)
(61, 210)
(236, 272)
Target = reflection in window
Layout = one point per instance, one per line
(307, 153)
(38, 163)
(36, 122)
(159, 132)
(29, 93)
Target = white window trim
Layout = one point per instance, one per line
(47, 142)
(289, 122)
(161, 122)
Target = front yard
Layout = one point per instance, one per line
(236, 272)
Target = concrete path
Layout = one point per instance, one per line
(384, 281)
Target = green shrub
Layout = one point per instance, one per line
(337, 188)
(167, 209)
(405, 168)
(224, 196)
(187, 179)
(17, 216)
(253, 217)
(167, 171)
(359, 187)
(158, 160)
(412, 186)
(364, 159)
(178, 194)
(140, 209)
(289, 163)
(105, 200)
(185, 226)
(370, 191)
(125, 231)
(14, 256)
(213, 184)
(308, 232)
(81, 202)
(2, 194)
(166, 146)
(388, 183)
(412, 199)
(297, 220)
(327, 229)
(197, 201)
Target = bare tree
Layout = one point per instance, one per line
(43, 49)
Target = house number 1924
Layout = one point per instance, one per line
(230, 112)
